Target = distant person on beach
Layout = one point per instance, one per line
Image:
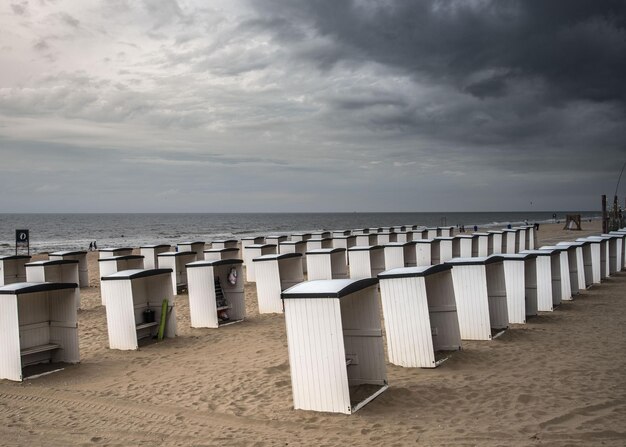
(95, 247)
(536, 226)
(90, 246)
(475, 228)
(509, 226)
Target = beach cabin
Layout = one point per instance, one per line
(366, 262)
(578, 268)
(400, 254)
(480, 244)
(462, 245)
(423, 252)
(346, 242)
(441, 250)
(254, 251)
(135, 301)
(404, 236)
(110, 265)
(510, 240)
(366, 239)
(481, 301)
(445, 231)
(315, 243)
(375, 230)
(60, 271)
(592, 256)
(622, 248)
(419, 309)
(570, 252)
(548, 264)
(114, 251)
(603, 253)
(560, 272)
(432, 233)
(294, 247)
(521, 239)
(13, 269)
(520, 277)
(39, 326)
(216, 254)
(616, 242)
(496, 240)
(197, 247)
(176, 262)
(335, 344)
(250, 240)
(300, 237)
(225, 243)
(276, 239)
(274, 274)
(327, 263)
(420, 233)
(216, 292)
(81, 257)
(386, 237)
(151, 253)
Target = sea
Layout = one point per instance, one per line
(54, 232)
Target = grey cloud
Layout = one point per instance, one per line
(19, 8)
(69, 20)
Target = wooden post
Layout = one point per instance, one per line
(604, 215)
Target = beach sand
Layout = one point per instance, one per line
(559, 380)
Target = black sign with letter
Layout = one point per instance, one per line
(22, 239)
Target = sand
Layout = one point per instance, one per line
(559, 380)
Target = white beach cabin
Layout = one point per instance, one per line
(216, 254)
(387, 237)
(462, 245)
(616, 242)
(276, 239)
(346, 242)
(584, 270)
(560, 272)
(622, 248)
(327, 263)
(496, 240)
(365, 240)
(441, 250)
(400, 254)
(445, 231)
(571, 252)
(254, 251)
(39, 324)
(317, 243)
(480, 290)
(338, 233)
(520, 277)
(423, 252)
(300, 237)
(81, 257)
(419, 309)
(225, 243)
(521, 239)
(480, 244)
(197, 247)
(13, 269)
(366, 262)
(108, 266)
(274, 274)
(294, 247)
(176, 262)
(548, 294)
(599, 252)
(510, 240)
(134, 301)
(114, 251)
(216, 292)
(151, 253)
(61, 271)
(335, 343)
(404, 236)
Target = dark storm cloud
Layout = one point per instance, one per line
(577, 47)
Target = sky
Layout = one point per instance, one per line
(312, 105)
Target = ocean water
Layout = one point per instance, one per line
(53, 232)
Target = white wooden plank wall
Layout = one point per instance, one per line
(545, 302)
(202, 306)
(394, 257)
(423, 253)
(319, 378)
(470, 289)
(407, 322)
(444, 320)
(268, 286)
(319, 267)
(566, 287)
(10, 360)
(515, 291)
(120, 315)
(555, 270)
